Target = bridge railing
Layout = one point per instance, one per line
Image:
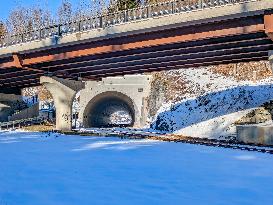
(103, 21)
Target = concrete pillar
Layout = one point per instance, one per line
(63, 92)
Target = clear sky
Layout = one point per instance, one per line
(7, 5)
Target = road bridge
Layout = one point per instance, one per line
(169, 35)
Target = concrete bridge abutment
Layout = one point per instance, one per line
(8, 104)
(63, 92)
(129, 92)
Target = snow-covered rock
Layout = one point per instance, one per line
(211, 104)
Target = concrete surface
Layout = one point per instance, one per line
(63, 92)
(30, 112)
(256, 133)
(7, 102)
(130, 89)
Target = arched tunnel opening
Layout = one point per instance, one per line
(110, 110)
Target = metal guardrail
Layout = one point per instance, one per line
(19, 123)
(103, 21)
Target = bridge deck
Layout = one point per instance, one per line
(226, 34)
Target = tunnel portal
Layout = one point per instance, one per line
(111, 109)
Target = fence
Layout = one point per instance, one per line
(19, 123)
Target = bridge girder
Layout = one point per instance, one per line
(221, 42)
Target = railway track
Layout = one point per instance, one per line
(229, 144)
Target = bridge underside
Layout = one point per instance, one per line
(231, 41)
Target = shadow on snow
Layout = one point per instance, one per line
(212, 105)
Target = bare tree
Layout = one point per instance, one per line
(19, 20)
(2, 29)
(65, 12)
(83, 10)
(23, 19)
(40, 17)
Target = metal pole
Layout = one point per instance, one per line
(59, 30)
(148, 11)
(172, 4)
(79, 25)
(40, 33)
(200, 4)
(101, 23)
(125, 14)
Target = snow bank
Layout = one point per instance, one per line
(213, 105)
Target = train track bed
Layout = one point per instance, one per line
(144, 134)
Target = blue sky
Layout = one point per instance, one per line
(7, 5)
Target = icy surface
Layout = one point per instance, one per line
(45, 169)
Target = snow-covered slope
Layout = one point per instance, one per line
(211, 103)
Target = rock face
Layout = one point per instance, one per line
(252, 71)
(175, 85)
(158, 94)
(259, 115)
(211, 101)
(269, 107)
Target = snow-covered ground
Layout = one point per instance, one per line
(211, 103)
(45, 169)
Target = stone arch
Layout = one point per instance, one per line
(92, 115)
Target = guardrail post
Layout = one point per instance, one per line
(101, 23)
(59, 30)
(40, 33)
(125, 13)
(148, 11)
(200, 4)
(79, 25)
(125, 16)
(172, 4)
